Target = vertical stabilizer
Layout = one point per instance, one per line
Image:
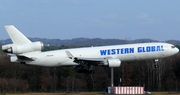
(16, 36)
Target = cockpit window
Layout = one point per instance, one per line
(172, 46)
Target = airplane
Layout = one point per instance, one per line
(26, 52)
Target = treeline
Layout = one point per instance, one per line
(16, 77)
(89, 41)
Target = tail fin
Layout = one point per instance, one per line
(16, 36)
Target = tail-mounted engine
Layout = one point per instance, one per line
(23, 48)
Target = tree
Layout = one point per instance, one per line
(3, 85)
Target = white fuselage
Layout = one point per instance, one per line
(128, 52)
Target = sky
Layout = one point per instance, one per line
(107, 19)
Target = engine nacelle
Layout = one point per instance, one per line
(113, 63)
(24, 48)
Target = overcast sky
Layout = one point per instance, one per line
(67, 19)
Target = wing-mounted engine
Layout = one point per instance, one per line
(23, 48)
(112, 63)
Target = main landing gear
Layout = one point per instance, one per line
(156, 63)
(81, 69)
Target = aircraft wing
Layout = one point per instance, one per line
(89, 59)
(93, 61)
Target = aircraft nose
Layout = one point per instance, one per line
(177, 50)
(174, 50)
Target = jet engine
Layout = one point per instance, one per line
(112, 63)
(23, 48)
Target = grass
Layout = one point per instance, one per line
(90, 93)
(80, 93)
(164, 93)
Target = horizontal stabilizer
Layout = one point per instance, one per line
(25, 58)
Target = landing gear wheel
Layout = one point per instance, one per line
(156, 66)
(82, 70)
(91, 71)
(156, 63)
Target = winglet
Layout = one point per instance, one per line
(16, 36)
(69, 54)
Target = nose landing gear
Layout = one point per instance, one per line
(156, 63)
